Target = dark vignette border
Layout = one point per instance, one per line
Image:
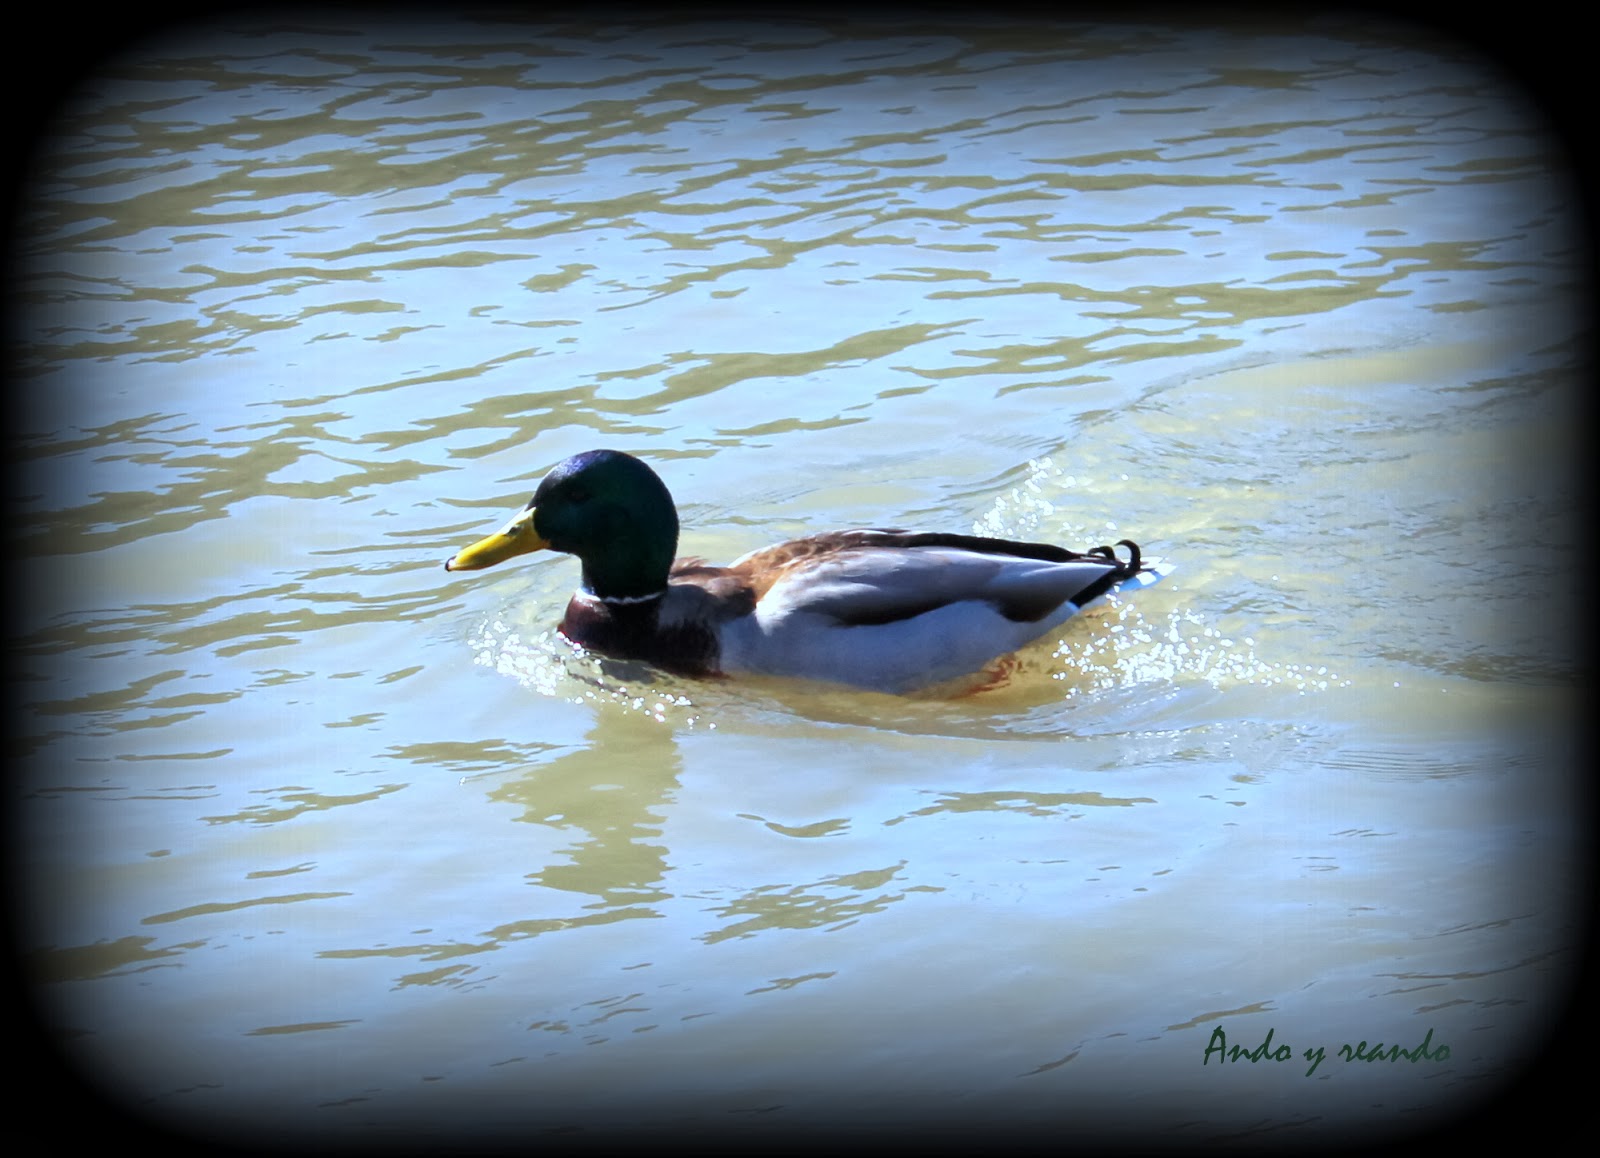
(1541, 51)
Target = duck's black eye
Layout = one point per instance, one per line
(578, 493)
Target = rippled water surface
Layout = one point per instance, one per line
(320, 840)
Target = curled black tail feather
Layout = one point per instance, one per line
(1133, 565)
(1111, 578)
(1124, 570)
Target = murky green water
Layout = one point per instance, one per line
(321, 841)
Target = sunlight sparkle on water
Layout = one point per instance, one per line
(1131, 648)
(550, 666)
(1137, 650)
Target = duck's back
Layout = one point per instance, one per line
(894, 610)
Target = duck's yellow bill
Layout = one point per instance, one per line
(515, 538)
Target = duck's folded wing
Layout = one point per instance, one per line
(879, 585)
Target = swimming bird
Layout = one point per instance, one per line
(887, 610)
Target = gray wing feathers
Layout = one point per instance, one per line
(875, 586)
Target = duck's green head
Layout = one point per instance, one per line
(607, 508)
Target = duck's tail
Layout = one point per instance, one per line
(1132, 573)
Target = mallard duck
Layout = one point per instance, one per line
(887, 610)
